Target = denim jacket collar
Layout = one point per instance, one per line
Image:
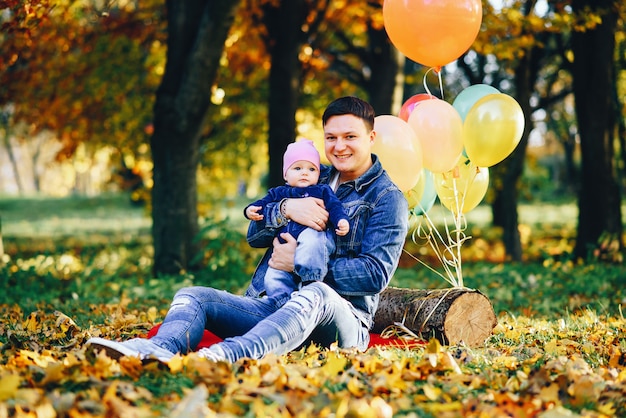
(375, 171)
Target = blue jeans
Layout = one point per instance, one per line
(252, 327)
(311, 264)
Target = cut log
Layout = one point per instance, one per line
(453, 316)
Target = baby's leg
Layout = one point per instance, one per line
(279, 285)
(312, 254)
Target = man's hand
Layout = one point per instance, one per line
(284, 255)
(307, 211)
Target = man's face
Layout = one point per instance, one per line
(348, 145)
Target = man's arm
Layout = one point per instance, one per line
(307, 211)
(370, 271)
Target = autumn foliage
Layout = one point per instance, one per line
(529, 367)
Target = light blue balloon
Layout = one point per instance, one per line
(466, 99)
(429, 196)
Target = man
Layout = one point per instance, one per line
(341, 308)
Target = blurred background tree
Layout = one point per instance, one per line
(196, 101)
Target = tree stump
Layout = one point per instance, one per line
(451, 315)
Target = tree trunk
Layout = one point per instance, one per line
(505, 203)
(386, 84)
(593, 78)
(12, 159)
(451, 315)
(284, 25)
(1, 245)
(197, 30)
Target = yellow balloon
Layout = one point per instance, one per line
(398, 149)
(492, 129)
(462, 188)
(415, 193)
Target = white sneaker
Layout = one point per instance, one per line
(212, 353)
(143, 348)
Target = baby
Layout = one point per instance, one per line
(301, 170)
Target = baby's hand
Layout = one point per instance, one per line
(343, 226)
(252, 213)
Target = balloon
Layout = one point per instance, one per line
(432, 33)
(492, 129)
(414, 194)
(409, 105)
(399, 150)
(439, 129)
(466, 99)
(429, 195)
(462, 188)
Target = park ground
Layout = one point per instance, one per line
(80, 267)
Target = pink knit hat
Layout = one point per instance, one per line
(300, 151)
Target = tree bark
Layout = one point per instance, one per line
(385, 86)
(284, 25)
(593, 78)
(12, 159)
(451, 315)
(504, 206)
(1, 245)
(197, 30)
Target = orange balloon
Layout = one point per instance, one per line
(432, 33)
(439, 130)
(399, 150)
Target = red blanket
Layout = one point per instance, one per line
(376, 340)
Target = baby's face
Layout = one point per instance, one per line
(302, 174)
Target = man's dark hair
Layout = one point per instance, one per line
(350, 105)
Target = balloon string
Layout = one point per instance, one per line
(425, 83)
(437, 71)
(440, 81)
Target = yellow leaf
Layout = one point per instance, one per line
(176, 364)
(586, 389)
(65, 323)
(334, 364)
(381, 408)
(54, 373)
(615, 355)
(550, 393)
(510, 362)
(606, 409)
(32, 322)
(431, 392)
(432, 351)
(355, 387)
(152, 314)
(440, 408)
(8, 386)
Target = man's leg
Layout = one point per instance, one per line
(314, 311)
(192, 310)
(195, 309)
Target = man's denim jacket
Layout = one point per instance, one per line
(367, 257)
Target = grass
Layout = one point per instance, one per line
(80, 267)
(95, 249)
